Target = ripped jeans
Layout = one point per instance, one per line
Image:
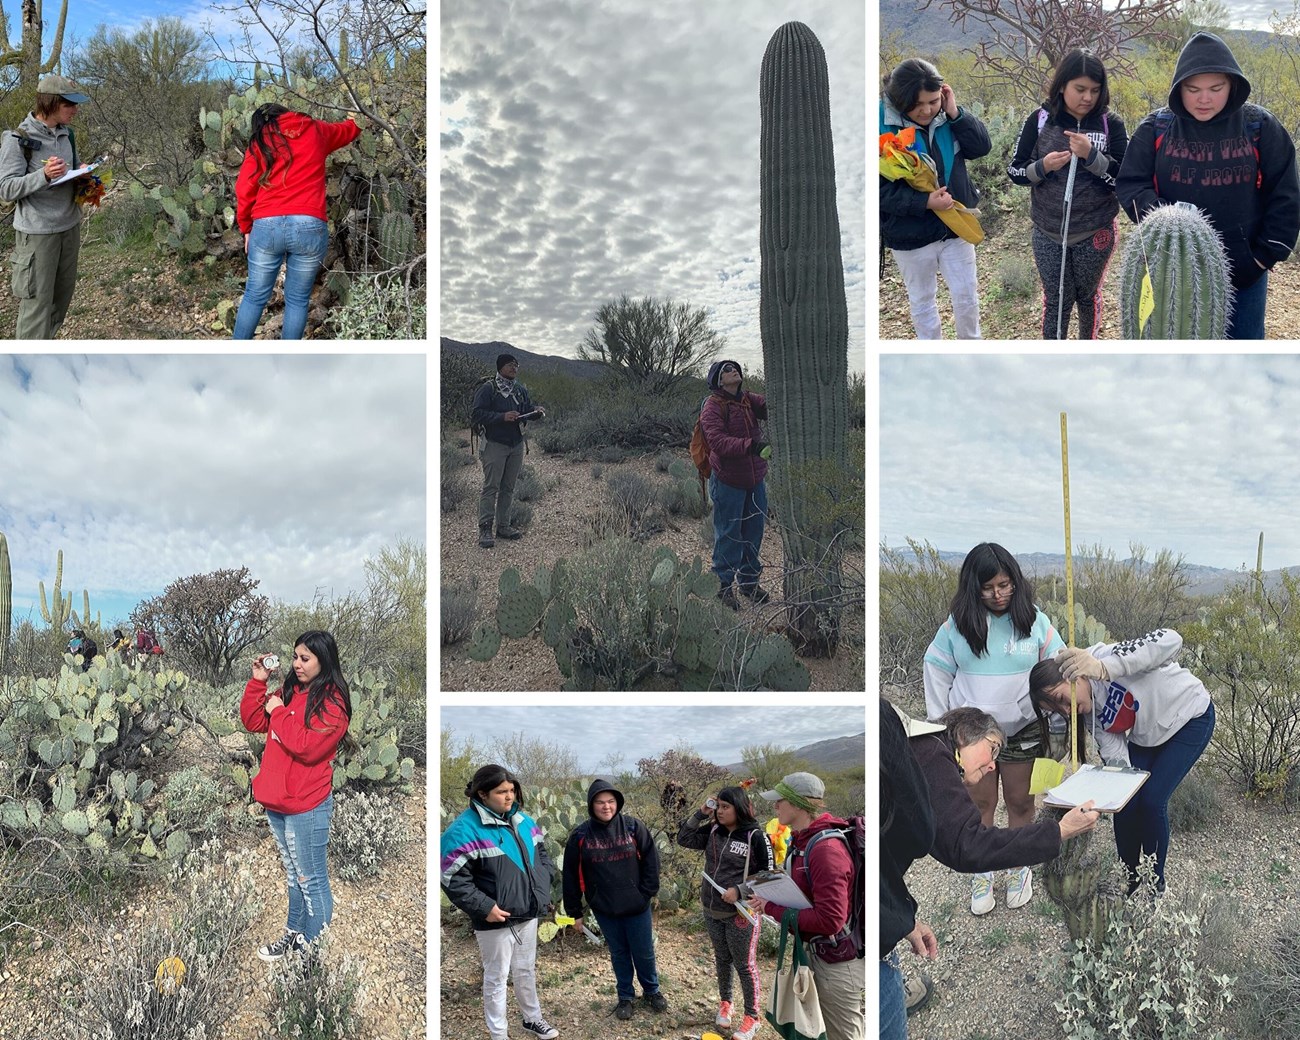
(302, 839)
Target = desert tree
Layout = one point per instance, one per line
(768, 762)
(26, 55)
(208, 620)
(654, 343)
(1025, 39)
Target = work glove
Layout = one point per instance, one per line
(761, 448)
(1079, 664)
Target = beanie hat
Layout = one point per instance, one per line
(506, 359)
(715, 373)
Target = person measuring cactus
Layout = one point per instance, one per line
(1232, 160)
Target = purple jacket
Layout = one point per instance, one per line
(731, 426)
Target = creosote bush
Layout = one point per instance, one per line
(368, 829)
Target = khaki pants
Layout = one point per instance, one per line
(842, 996)
(501, 466)
(44, 278)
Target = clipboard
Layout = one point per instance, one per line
(742, 907)
(80, 171)
(777, 887)
(1110, 787)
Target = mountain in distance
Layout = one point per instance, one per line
(528, 361)
(1203, 581)
(829, 755)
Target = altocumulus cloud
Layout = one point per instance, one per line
(1194, 453)
(143, 469)
(591, 149)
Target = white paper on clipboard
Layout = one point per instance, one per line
(778, 887)
(1110, 787)
(81, 171)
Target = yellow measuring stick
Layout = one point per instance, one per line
(1069, 592)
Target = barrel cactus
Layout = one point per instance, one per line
(1086, 882)
(1190, 277)
(803, 318)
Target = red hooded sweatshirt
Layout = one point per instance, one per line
(297, 771)
(297, 184)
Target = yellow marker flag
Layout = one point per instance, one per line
(1146, 302)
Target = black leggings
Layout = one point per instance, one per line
(1085, 266)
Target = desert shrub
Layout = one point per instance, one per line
(617, 421)
(597, 472)
(452, 489)
(682, 498)
(1018, 277)
(319, 997)
(1145, 980)
(528, 488)
(409, 718)
(857, 400)
(1272, 990)
(1196, 804)
(367, 830)
(1133, 596)
(1244, 647)
(662, 461)
(916, 587)
(380, 307)
(194, 799)
(459, 607)
(998, 194)
(521, 515)
(460, 375)
(125, 220)
(632, 494)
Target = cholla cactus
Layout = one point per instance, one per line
(1190, 277)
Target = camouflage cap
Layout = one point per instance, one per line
(64, 87)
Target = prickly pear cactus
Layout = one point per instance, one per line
(1088, 631)
(1190, 277)
(1086, 880)
(803, 318)
(377, 760)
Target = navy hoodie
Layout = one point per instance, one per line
(1252, 201)
(614, 865)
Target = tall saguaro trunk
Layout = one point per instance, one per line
(803, 318)
(27, 55)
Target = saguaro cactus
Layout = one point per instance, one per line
(803, 318)
(1190, 277)
(6, 601)
(58, 610)
(1084, 882)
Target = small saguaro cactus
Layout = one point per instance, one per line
(803, 319)
(59, 608)
(1190, 277)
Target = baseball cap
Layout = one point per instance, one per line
(805, 785)
(64, 87)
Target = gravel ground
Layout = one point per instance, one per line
(997, 976)
(559, 519)
(379, 920)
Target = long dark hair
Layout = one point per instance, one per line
(984, 562)
(738, 799)
(1079, 63)
(904, 85)
(329, 684)
(266, 129)
(1045, 675)
(488, 778)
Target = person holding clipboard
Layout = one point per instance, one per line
(735, 845)
(501, 407)
(1147, 711)
(47, 220)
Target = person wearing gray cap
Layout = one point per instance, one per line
(827, 879)
(47, 222)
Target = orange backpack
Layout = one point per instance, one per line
(700, 446)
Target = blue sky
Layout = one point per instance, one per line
(597, 147)
(148, 468)
(1192, 453)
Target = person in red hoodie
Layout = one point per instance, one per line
(738, 455)
(304, 722)
(280, 208)
(827, 882)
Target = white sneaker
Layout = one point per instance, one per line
(981, 893)
(1020, 887)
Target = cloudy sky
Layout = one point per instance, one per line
(1196, 454)
(597, 147)
(716, 734)
(144, 469)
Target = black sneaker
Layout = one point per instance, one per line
(485, 538)
(541, 1029)
(755, 592)
(283, 945)
(658, 1002)
(624, 1010)
(728, 596)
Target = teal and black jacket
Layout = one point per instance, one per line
(492, 859)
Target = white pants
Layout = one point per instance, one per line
(504, 954)
(955, 257)
(842, 996)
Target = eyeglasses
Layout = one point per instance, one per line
(995, 747)
(1003, 588)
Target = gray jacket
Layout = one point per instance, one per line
(40, 210)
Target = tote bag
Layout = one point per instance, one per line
(793, 1009)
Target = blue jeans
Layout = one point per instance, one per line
(1142, 826)
(893, 1001)
(297, 242)
(631, 942)
(302, 838)
(1247, 321)
(738, 520)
